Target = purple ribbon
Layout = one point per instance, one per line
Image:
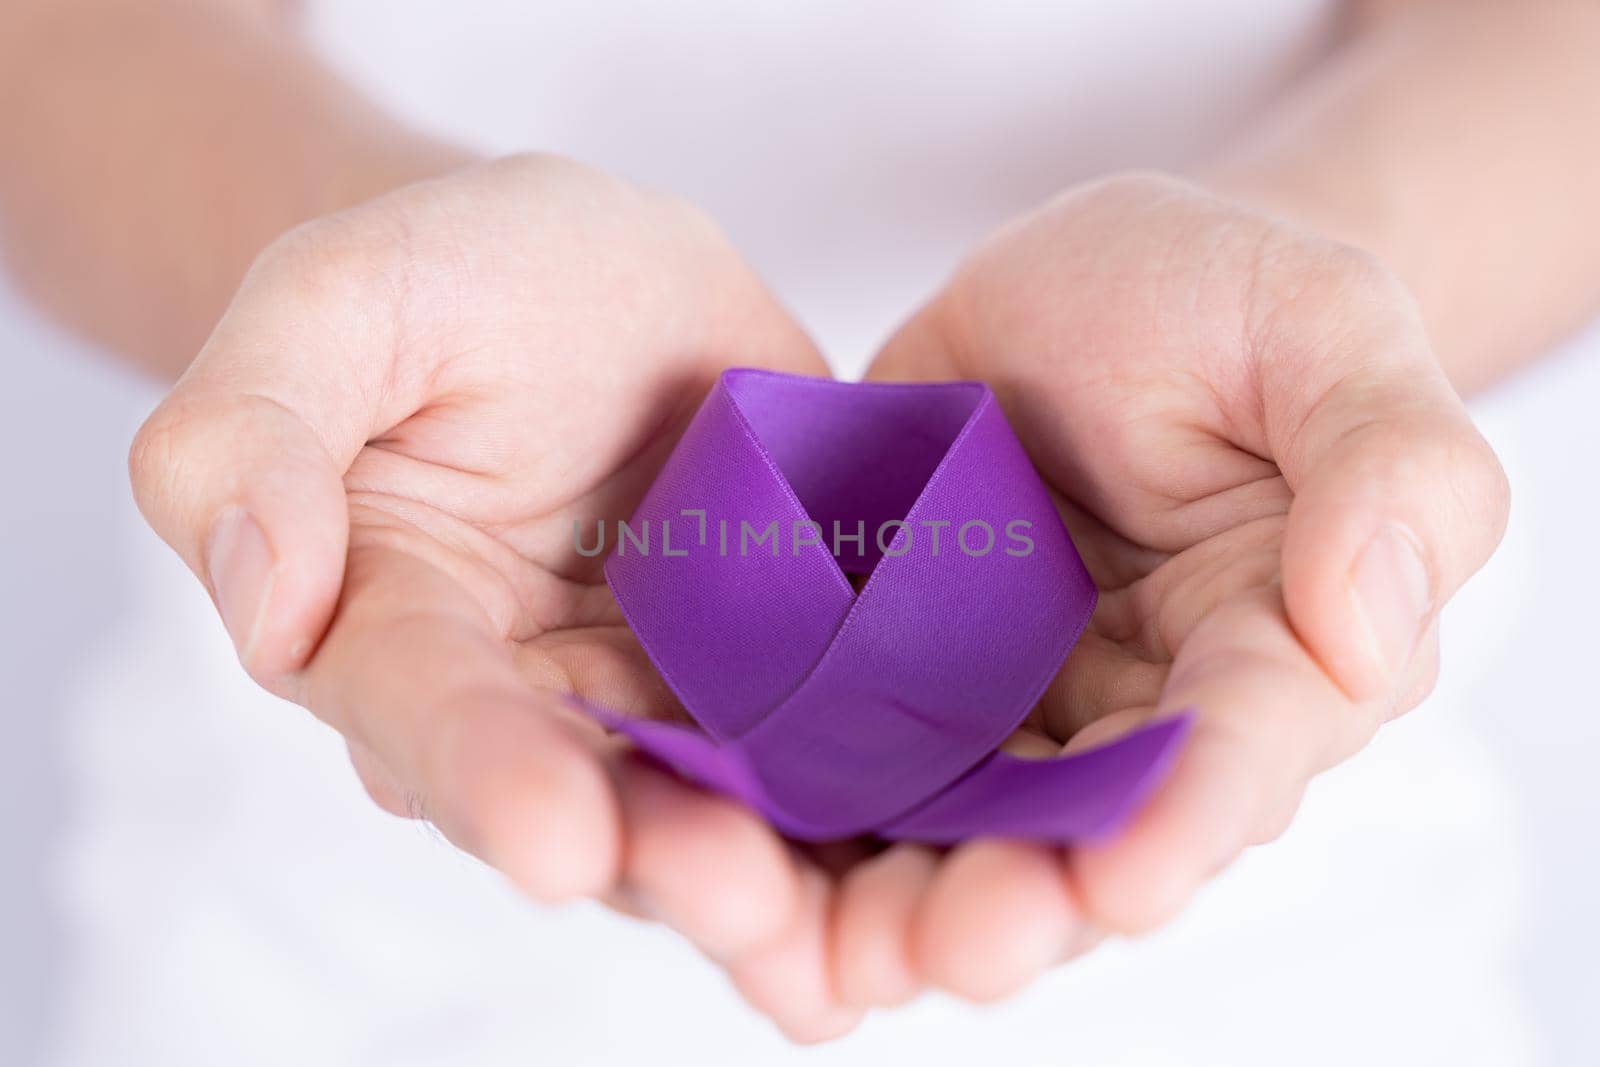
(835, 712)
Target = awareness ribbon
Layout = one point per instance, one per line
(835, 712)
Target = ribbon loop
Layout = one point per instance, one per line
(834, 712)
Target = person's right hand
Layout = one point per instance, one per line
(375, 464)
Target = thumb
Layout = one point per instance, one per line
(254, 504)
(1397, 501)
(240, 468)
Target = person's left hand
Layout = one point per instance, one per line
(1275, 488)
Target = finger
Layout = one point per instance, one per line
(790, 979)
(704, 865)
(877, 901)
(250, 499)
(1267, 718)
(1397, 497)
(411, 672)
(997, 914)
(239, 469)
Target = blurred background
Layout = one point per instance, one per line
(190, 860)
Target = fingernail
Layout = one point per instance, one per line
(1393, 591)
(240, 563)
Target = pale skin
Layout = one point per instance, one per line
(374, 459)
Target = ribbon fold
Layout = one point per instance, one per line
(836, 712)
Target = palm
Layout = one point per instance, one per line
(1150, 601)
(501, 523)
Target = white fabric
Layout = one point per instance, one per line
(240, 901)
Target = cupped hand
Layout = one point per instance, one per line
(376, 462)
(375, 466)
(1276, 489)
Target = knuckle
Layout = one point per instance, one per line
(150, 452)
(1356, 273)
(316, 259)
(1319, 301)
(1493, 488)
(1454, 459)
(348, 259)
(165, 447)
(548, 170)
(1314, 266)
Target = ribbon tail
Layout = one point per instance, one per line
(1087, 796)
(720, 767)
(1083, 797)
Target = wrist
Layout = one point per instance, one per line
(1458, 183)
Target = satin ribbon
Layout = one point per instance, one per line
(835, 712)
